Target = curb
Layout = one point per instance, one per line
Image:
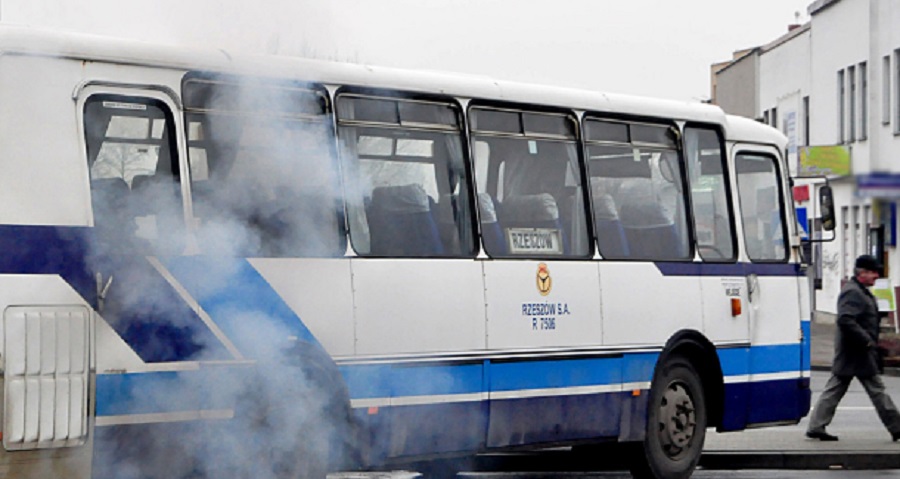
(862, 460)
(545, 464)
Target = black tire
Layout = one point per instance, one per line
(676, 423)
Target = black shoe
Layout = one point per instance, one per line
(824, 436)
(895, 436)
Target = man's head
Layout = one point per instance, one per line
(868, 269)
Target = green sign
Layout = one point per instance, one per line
(884, 294)
(825, 160)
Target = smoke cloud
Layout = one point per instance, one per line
(263, 185)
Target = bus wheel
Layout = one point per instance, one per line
(676, 423)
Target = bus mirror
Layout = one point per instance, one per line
(826, 205)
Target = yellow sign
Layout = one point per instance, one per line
(544, 281)
(825, 160)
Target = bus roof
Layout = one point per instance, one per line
(24, 40)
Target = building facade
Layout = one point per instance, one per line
(833, 87)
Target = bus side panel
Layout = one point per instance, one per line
(45, 211)
(559, 400)
(756, 392)
(319, 292)
(418, 305)
(456, 418)
(642, 306)
(520, 315)
(45, 180)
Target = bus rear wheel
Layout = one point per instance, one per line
(676, 423)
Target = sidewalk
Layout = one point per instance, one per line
(787, 448)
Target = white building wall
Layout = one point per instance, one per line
(885, 41)
(784, 71)
(840, 39)
(840, 36)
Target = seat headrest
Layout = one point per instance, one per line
(604, 204)
(642, 207)
(539, 207)
(401, 199)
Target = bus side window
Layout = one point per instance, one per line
(531, 183)
(762, 210)
(134, 174)
(710, 196)
(639, 207)
(263, 169)
(406, 176)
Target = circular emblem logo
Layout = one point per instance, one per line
(544, 281)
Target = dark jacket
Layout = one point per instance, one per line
(856, 339)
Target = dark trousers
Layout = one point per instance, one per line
(835, 390)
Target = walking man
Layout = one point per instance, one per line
(855, 354)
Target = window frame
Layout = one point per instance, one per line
(886, 90)
(895, 80)
(779, 179)
(678, 147)
(851, 107)
(174, 168)
(863, 70)
(493, 171)
(842, 112)
(727, 174)
(325, 116)
(461, 129)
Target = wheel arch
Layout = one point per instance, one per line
(701, 353)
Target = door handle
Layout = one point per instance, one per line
(752, 286)
(102, 289)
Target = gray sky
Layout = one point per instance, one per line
(660, 48)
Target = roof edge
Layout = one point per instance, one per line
(819, 5)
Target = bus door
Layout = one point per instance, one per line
(149, 337)
(773, 283)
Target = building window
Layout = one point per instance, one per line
(886, 90)
(845, 242)
(766, 117)
(774, 118)
(840, 99)
(851, 110)
(806, 120)
(896, 96)
(863, 101)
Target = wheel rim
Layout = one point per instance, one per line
(677, 420)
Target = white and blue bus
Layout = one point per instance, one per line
(223, 266)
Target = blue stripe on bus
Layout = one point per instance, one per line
(62, 250)
(806, 344)
(159, 392)
(239, 300)
(728, 269)
(759, 359)
(381, 381)
(421, 380)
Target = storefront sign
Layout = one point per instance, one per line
(825, 160)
